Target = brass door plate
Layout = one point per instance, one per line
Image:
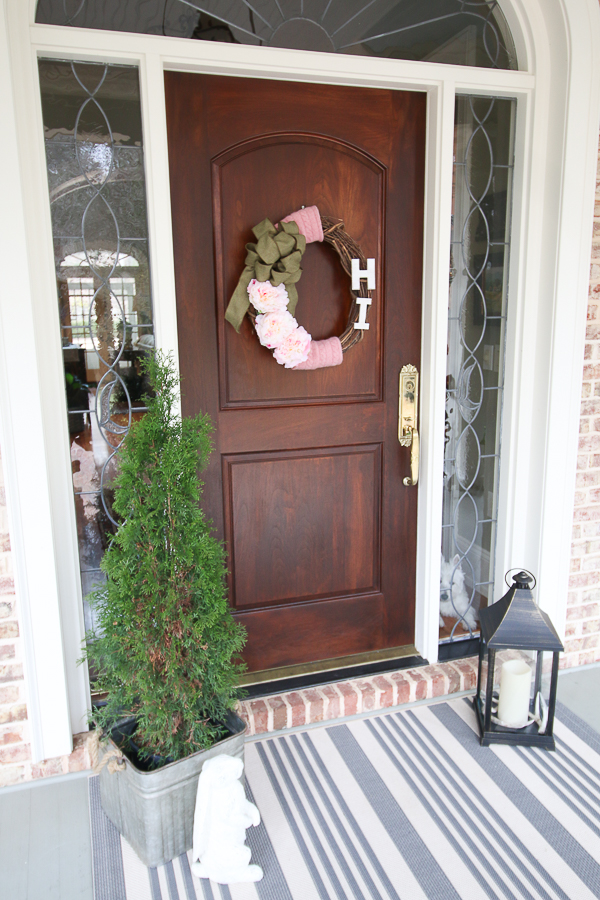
(408, 404)
(325, 665)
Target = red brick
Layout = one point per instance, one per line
(15, 753)
(468, 673)
(9, 694)
(5, 610)
(386, 697)
(7, 651)
(591, 563)
(590, 626)
(279, 712)
(453, 679)
(11, 673)
(315, 713)
(367, 694)
(7, 584)
(589, 478)
(13, 714)
(587, 515)
(589, 442)
(590, 407)
(350, 698)
(591, 529)
(260, 714)
(78, 761)
(9, 630)
(13, 736)
(81, 740)
(47, 767)
(438, 682)
(333, 710)
(298, 705)
(584, 659)
(420, 682)
(403, 685)
(584, 579)
(11, 775)
(583, 612)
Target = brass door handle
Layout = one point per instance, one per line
(408, 406)
(414, 461)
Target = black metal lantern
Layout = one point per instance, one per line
(514, 716)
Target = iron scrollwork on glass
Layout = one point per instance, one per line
(463, 32)
(93, 136)
(475, 374)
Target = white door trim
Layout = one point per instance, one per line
(558, 101)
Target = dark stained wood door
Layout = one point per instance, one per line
(305, 485)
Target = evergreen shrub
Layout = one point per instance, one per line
(165, 648)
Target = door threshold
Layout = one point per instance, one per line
(459, 648)
(290, 678)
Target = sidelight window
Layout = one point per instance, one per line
(479, 258)
(94, 153)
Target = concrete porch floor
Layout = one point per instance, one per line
(45, 844)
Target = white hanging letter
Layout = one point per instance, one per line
(358, 273)
(364, 303)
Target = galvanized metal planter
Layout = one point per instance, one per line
(154, 811)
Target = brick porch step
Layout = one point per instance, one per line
(347, 698)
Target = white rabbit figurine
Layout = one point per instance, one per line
(221, 817)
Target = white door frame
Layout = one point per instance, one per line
(558, 99)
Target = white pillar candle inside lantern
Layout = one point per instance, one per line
(515, 686)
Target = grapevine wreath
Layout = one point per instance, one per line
(267, 289)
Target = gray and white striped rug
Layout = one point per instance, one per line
(401, 806)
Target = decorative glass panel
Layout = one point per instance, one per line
(461, 32)
(94, 152)
(483, 171)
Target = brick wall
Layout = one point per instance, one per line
(15, 750)
(14, 747)
(582, 643)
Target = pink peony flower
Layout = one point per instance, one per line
(275, 327)
(266, 298)
(294, 349)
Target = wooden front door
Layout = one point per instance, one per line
(305, 485)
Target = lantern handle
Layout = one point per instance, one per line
(520, 569)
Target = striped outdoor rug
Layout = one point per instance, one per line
(401, 806)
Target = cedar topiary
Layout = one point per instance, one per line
(165, 647)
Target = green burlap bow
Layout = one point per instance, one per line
(275, 257)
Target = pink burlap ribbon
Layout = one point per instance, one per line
(323, 354)
(308, 221)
